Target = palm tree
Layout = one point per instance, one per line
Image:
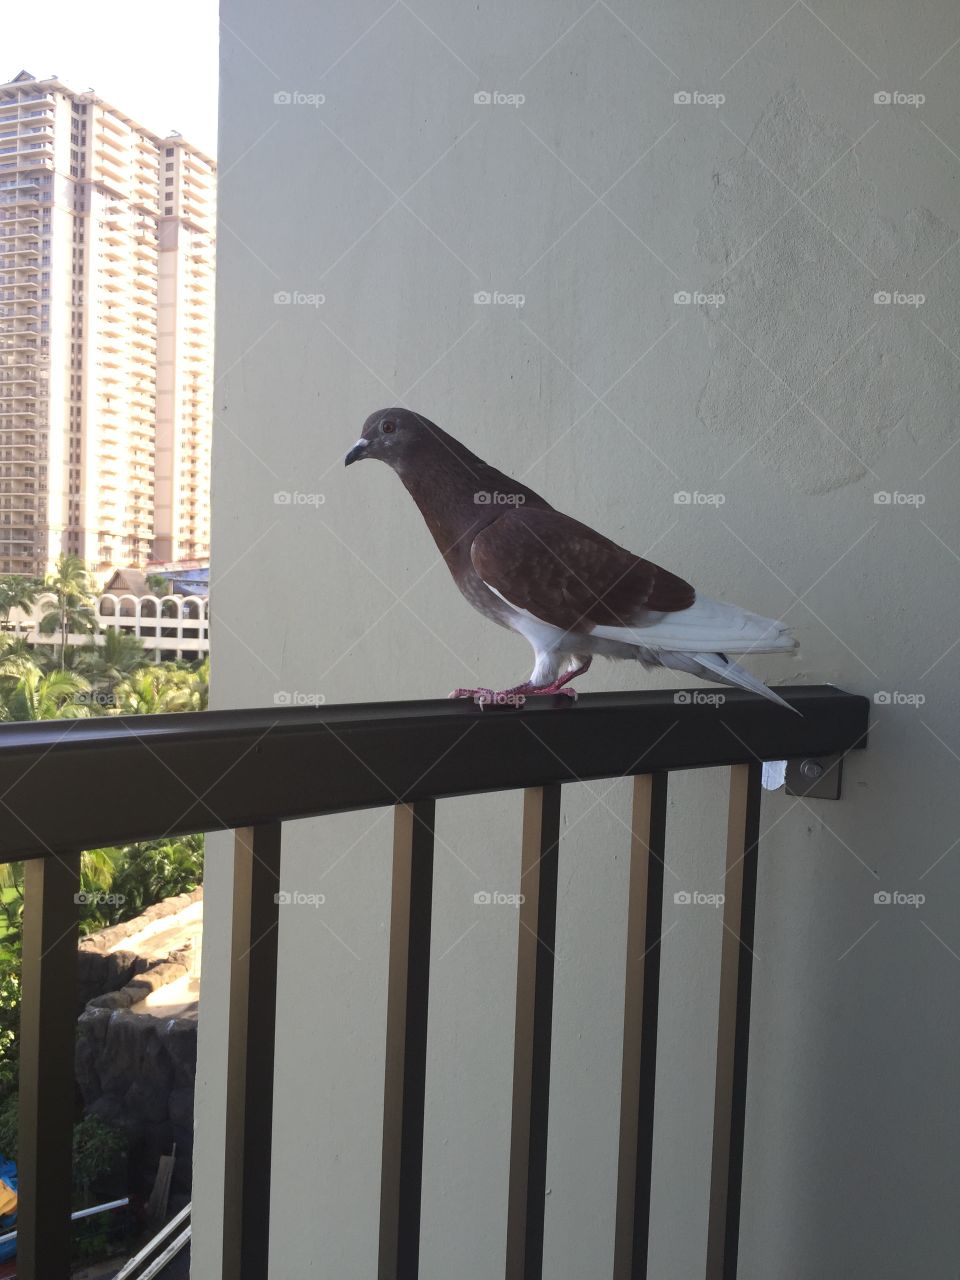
(201, 673)
(34, 694)
(18, 647)
(17, 592)
(73, 608)
(155, 689)
(120, 655)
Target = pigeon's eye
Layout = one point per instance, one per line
(387, 427)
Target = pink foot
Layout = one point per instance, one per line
(492, 697)
(518, 695)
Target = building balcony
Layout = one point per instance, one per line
(136, 778)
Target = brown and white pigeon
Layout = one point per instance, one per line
(568, 590)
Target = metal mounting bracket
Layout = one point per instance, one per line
(815, 777)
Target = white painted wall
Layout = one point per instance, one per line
(798, 399)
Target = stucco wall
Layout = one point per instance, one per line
(798, 398)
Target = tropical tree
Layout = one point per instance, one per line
(30, 693)
(158, 584)
(17, 592)
(117, 658)
(72, 610)
(149, 872)
(20, 647)
(158, 688)
(97, 870)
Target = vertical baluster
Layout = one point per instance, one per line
(641, 1001)
(733, 1031)
(48, 1026)
(406, 1051)
(534, 1017)
(250, 1049)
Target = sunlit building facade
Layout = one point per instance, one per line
(106, 334)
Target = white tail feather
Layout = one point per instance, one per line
(707, 626)
(714, 667)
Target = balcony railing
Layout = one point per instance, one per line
(71, 785)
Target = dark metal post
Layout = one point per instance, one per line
(406, 1053)
(48, 1025)
(733, 1030)
(534, 1019)
(641, 1003)
(250, 1049)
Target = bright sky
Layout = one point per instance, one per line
(156, 62)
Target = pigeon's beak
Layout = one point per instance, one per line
(357, 452)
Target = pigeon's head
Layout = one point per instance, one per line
(395, 436)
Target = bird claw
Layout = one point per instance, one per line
(491, 697)
(512, 697)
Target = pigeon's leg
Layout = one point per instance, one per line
(516, 695)
(555, 686)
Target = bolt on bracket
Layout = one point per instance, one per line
(815, 777)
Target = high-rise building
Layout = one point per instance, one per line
(107, 236)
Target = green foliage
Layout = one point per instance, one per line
(109, 679)
(17, 592)
(97, 1149)
(158, 688)
(114, 677)
(9, 1120)
(148, 872)
(72, 610)
(9, 1027)
(114, 660)
(29, 693)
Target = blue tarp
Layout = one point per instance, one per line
(8, 1174)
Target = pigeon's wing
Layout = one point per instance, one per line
(565, 573)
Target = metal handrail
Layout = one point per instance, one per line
(217, 770)
(71, 785)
